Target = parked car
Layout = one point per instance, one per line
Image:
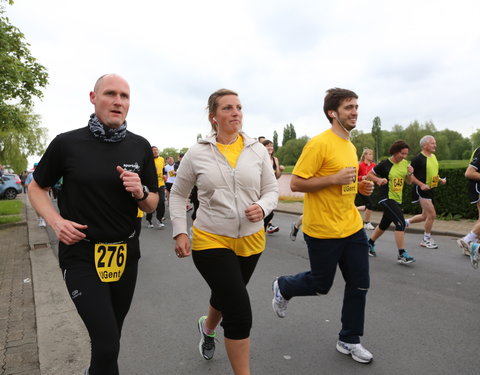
(10, 186)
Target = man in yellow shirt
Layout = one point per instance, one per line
(160, 168)
(327, 172)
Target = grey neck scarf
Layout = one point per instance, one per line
(104, 133)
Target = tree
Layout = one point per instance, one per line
(288, 134)
(377, 135)
(21, 81)
(275, 140)
(290, 152)
(169, 151)
(17, 145)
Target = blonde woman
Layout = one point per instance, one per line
(364, 167)
(236, 190)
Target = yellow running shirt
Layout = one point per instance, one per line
(329, 212)
(159, 165)
(243, 246)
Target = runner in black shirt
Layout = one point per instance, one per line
(107, 175)
(473, 175)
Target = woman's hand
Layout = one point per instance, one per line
(254, 213)
(182, 246)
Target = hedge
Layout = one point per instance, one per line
(451, 200)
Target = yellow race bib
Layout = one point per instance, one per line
(397, 184)
(110, 259)
(349, 189)
(435, 180)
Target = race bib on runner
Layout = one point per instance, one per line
(110, 259)
(397, 184)
(435, 180)
(349, 189)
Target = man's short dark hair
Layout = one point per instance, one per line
(334, 98)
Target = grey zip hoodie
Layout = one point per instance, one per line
(224, 192)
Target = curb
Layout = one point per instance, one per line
(63, 342)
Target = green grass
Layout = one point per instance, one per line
(10, 207)
(10, 219)
(9, 211)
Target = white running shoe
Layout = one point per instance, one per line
(464, 246)
(429, 244)
(279, 303)
(41, 222)
(150, 225)
(369, 226)
(357, 351)
(160, 225)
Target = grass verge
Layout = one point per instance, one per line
(10, 211)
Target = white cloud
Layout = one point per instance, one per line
(407, 61)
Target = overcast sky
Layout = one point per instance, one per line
(408, 60)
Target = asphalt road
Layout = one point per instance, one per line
(421, 318)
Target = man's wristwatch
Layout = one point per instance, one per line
(145, 194)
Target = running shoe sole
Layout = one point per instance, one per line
(405, 261)
(463, 246)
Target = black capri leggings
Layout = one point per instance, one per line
(366, 200)
(392, 213)
(103, 308)
(227, 276)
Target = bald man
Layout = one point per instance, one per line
(108, 174)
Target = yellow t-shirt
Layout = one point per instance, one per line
(329, 212)
(243, 246)
(159, 165)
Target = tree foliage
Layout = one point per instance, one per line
(275, 140)
(377, 135)
(288, 133)
(22, 79)
(290, 152)
(451, 145)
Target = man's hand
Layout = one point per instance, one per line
(345, 176)
(254, 213)
(381, 181)
(68, 231)
(131, 182)
(365, 187)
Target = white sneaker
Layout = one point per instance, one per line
(150, 225)
(464, 246)
(160, 225)
(369, 226)
(41, 222)
(279, 303)
(429, 244)
(357, 351)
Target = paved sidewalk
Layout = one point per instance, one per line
(18, 329)
(40, 330)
